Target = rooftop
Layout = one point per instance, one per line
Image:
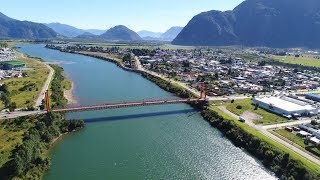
(283, 104)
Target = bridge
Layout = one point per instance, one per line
(114, 105)
(126, 104)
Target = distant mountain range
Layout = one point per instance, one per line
(169, 35)
(272, 23)
(15, 29)
(70, 31)
(145, 33)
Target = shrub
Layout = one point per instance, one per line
(239, 107)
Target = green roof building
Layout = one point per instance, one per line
(11, 65)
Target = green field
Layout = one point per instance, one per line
(295, 139)
(305, 61)
(292, 137)
(24, 91)
(312, 166)
(267, 117)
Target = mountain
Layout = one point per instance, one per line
(70, 31)
(12, 28)
(95, 31)
(171, 33)
(149, 34)
(120, 33)
(65, 30)
(271, 23)
(87, 35)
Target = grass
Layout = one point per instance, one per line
(296, 139)
(267, 117)
(312, 166)
(291, 137)
(11, 135)
(305, 61)
(34, 80)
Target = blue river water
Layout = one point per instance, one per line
(154, 142)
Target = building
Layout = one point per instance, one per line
(11, 65)
(285, 106)
(314, 132)
(313, 97)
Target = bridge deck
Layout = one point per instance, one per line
(127, 104)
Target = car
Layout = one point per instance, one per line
(241, 119)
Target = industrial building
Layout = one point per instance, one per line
(313, 97)
(314, 132)
(286, 106)
(11, 65)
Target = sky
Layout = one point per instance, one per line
(153, 15)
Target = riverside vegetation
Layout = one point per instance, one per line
(26, 141)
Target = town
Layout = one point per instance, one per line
(9, 67)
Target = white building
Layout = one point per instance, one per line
(285, 106)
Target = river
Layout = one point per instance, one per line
(154, 142)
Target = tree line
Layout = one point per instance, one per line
(281, 163)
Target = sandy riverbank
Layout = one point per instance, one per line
(68, 94)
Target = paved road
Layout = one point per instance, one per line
(297, 122)
(16, 114)
(45, 86)
(265, 132)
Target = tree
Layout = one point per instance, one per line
(256, 106)
(12, 106)
(5, 99)
(185, 64)
(216, 75)
(42, 106)
(314, 122)
(4, 88)
(126, 58)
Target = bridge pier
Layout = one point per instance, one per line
(47, 100)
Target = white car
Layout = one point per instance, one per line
(241, 119)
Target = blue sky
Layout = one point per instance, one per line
(154, 15)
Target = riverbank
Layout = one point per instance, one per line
(27, 155)
(69, 95)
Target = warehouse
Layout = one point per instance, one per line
(11, 65)
(313, 97)
(285, 106)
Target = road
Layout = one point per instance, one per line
(265, 132)
(11, 115)
(45, 86)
